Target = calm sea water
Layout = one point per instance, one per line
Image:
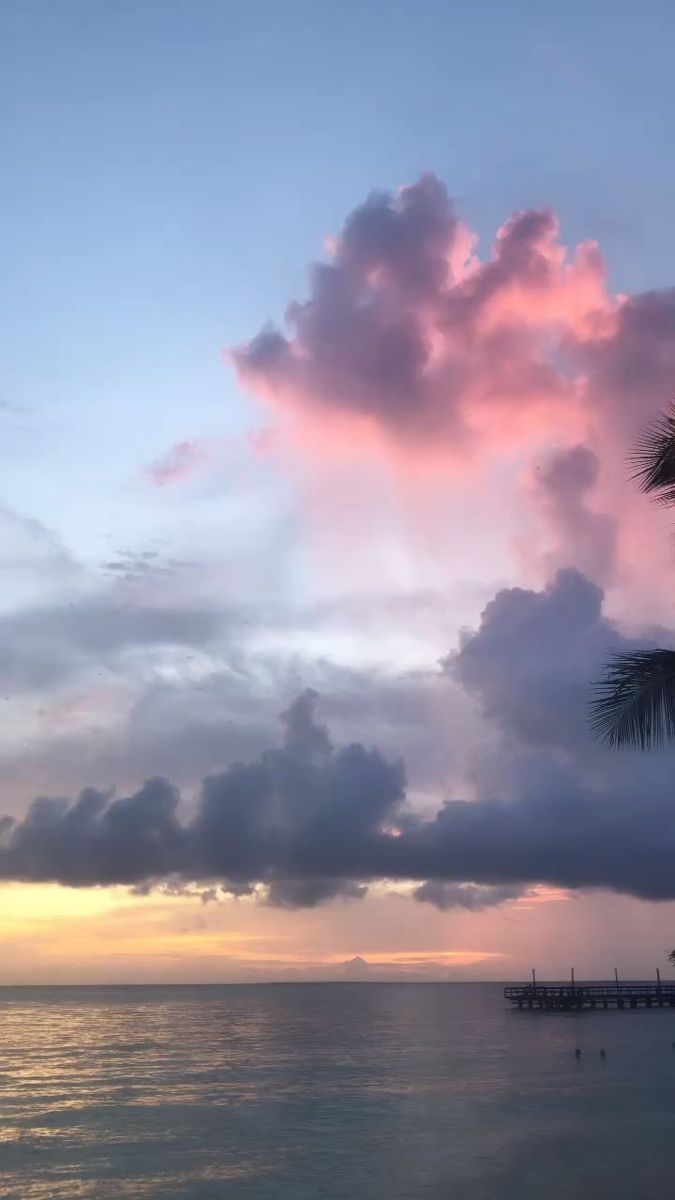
(345, 1091)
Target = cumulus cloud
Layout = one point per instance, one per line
(407, 328)
(531, 660)
(291, 818)
(356, 968)
(630, 369)
(313, 822)
(416, 347)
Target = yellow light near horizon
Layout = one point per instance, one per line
(54, 932)
(45, 901)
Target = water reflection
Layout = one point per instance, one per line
(396, 1091)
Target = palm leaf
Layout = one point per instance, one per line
(634, 704)
(653, 459)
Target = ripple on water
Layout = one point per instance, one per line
(394, 1092)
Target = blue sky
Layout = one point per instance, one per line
(170, 169)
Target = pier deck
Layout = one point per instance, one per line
(568, 997)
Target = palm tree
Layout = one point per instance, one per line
(634, 704)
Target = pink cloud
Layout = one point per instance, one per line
(562, 491)
(447, 371)
(181, 462)
(406, 336)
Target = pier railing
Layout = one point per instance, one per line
(565, 997)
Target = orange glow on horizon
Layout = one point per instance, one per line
(52, 931)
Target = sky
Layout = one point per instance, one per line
(326, 334)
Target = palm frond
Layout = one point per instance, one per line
(653, 459)
(634, 705)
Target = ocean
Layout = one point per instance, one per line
(353, 1091)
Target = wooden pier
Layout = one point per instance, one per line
(571, 997)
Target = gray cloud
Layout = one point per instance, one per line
(586, 538)
(356, 968)
(532, 659)
(470, 896)
(283, 818)
(32, 558)
(42, 646)
(307, 893)
(314, 822)
(358, 355)
(184, 726)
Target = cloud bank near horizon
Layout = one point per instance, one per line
(313, 823)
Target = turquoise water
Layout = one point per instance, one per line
(342, 1091)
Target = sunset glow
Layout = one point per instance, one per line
(316, 525)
